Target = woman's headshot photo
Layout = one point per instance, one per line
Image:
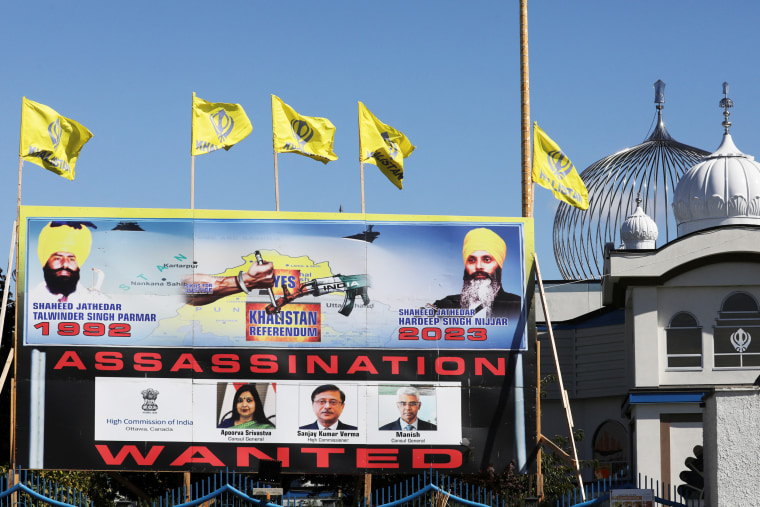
(245, 406)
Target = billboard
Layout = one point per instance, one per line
(194, 340)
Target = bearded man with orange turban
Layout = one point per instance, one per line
(62, 248)
(483, 253)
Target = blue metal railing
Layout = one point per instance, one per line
(599, 492)
(21, 487)
(24, 487)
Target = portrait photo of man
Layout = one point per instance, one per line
(328, 402)
(408, 404)
(62, 248)
(483, 253)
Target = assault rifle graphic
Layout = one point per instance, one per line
(352, 285)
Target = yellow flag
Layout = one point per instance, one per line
(553, 170)
(382, 145)
(50, 140)
(217, 125)
(307, 135)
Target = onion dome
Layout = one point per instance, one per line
(650, 169)
(638, 232)
(724, 189)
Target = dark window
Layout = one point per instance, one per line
(737, 332)
(684, 342)
(739, 302)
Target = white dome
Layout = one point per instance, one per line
(638, 231)
(723, 189)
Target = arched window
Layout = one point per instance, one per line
(684, 342)
(610, 447)
(737, 332)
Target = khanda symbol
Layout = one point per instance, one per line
(740, 339)
(559, 164)
(55, 131)
(393, 147)
(302, 130)
(223, 124)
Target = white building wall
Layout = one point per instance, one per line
(691, 293)
(646, 440)
(569, 300)
(644, 307)
(683, 437)
(665, 435)
(732, 447)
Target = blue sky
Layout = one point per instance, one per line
(445, 73)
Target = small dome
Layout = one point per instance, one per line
(638, 232)
(723, 189)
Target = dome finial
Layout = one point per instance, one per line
(659, 133)
(659, 94)
(726, 104)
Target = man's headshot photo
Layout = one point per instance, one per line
(483, 253)
(409, 403)
(328, 402)
(62, 248)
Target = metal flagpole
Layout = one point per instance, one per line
(192, 157)
(527, 200)
(527, 180)
(361, 161)
(192, 181)
(361, 166)
(276, 184)
(18, 201)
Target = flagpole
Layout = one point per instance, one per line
(527, 209)
(192, 157)
(18, 201)
(361, 165)
(276, 184)
(527, 180)
(361, 160)
(192, 181)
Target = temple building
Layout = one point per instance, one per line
(655, 330)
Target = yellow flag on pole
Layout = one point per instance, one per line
(217, 125)
(295, 133)
(50, 140)
(553, 170)
(382, 145)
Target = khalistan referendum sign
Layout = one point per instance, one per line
(147, 340)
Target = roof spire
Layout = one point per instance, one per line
(659, 94)
(659, 133)
(726, 104)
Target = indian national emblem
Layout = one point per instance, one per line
(149, 396)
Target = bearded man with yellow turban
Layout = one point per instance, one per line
(483, 253)
(62, 248)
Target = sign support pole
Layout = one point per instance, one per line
(367, 490)
(188, 487)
